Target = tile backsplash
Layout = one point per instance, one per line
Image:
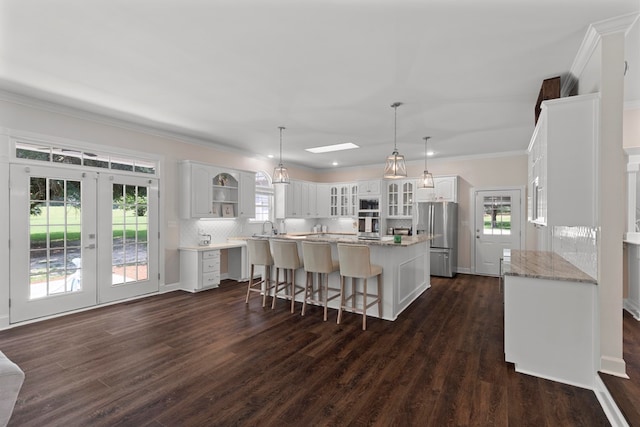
(578, 245)
(221, 229)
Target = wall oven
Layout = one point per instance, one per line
(369, 218)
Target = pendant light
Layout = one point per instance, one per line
(395, 166)
(427, 178)
(280, 174)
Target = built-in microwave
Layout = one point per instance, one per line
(369, 204)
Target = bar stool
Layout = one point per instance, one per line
(260, 254)
(317, 259)
(355, 262)
(285, 257)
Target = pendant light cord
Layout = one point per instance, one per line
(281, 129)
(395, 106)
(426, 138)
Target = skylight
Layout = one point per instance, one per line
(330, 148)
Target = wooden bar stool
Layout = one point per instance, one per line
(260, 254)
(355, 262)
(285, 257)
(317, 260)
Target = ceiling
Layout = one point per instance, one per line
(229, 72)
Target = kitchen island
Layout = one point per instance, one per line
(405, 268)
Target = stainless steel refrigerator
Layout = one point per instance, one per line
(440, 219)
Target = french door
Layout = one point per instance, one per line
(497, 227)
(79, 238)
(128, 227)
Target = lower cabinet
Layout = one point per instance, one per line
(199, 269)
(549, 329)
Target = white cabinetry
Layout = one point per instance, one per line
(208, 191)
(400, 198)
(199, 269)
(549, 329)
(562, 163)
(247, 200)
(369, 188)
(343, 199)
(445, 189)
(298, 199)
(323, 209)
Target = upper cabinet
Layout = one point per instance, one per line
(323, 208)
(342, 199)
(445, 189)
(208, 191)
(369, 188)
(247, 199)
(562, 163)
(298, 199)
(400, 198)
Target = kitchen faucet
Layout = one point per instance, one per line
(273, 228)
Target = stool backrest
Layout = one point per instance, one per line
(259, 252)
(317, 257)
(285, 254)
(355, 260)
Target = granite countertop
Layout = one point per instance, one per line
(213, 246)
(351, 238)
(543, 265)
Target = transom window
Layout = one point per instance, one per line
(71, 156)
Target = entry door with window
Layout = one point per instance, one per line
(497, 227)
(79, 238)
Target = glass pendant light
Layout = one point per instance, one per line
(427, 178)
(395, 166)
(280, 174)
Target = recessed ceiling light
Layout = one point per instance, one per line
(270, 156)
(430, 153)
(329, 148)
(335, 163)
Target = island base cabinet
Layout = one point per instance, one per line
(549, 329)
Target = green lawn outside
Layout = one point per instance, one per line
(124, 223)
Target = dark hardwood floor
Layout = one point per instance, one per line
(208, 359)
(626, 392)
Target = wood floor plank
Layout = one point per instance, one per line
(210, 359)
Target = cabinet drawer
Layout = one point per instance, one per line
(210, 254)
(210, 279)
(211, 265)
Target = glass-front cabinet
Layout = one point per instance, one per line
(400, 198)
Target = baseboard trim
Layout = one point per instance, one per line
(632, 308)
(171, 287)
(608, 405)
(613, 366)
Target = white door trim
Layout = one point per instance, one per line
(472, 214)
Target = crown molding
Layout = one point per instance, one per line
(131, 123)
(595, 32)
